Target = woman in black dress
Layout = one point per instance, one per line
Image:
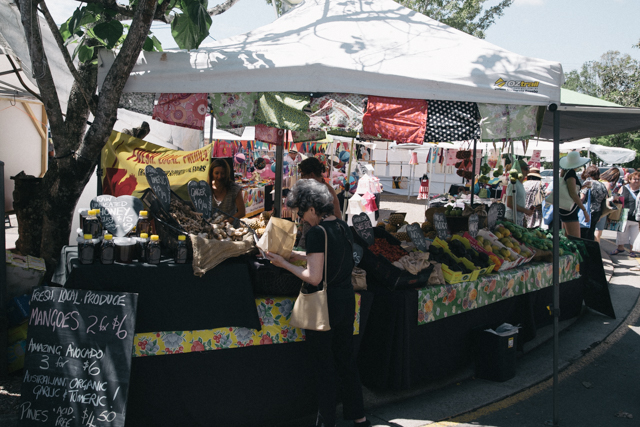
(331, 352)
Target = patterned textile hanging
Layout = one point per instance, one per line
(503, 121)
(337, 112)
(283, 111)
(234, 110)
(399, 119)
(141, 103)
(182, 109)
(452, 121)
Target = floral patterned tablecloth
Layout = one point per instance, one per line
(438, 302)
(274, 313)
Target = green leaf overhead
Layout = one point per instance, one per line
(191, 26)
(109, 32)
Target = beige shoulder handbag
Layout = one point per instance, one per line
(311, 311)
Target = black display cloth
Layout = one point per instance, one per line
(172, 298)
(398, 354)
(265, 385)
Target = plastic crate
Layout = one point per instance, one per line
(382, 272)
(451, 276)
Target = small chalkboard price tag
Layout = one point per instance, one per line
(362, 225)
(441, 226)
(417, 237)
(495, 213)
(77, 358)
(357, 253)
(118, 214)
(474, 221)
(159, 183)
(201, 197)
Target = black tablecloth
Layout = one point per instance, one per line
(171, 298)
(265, 385)
(398, 354)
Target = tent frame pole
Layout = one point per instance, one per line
(277, 203)
(556, 254)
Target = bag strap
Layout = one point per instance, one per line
(326, 239)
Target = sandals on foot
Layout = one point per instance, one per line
(617, 252)
(633, 254)
(635, 268)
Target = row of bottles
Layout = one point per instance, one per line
(145, 249)
(140, 244)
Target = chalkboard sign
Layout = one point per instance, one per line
(118, 214)
(362, 225)
(78, 358)
(417, 237)
(201, 197)
(441, 226)
(357, 253)
(474, 221)
(495, 213)
(159, 183)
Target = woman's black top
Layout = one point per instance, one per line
(339, 258)
(630, 201)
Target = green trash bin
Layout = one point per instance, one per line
(495, 356)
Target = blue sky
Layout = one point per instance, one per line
(567, 31)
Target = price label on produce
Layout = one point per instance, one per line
(201, 197)
(495, 213)
(118, 214)
(441, 226)
(362, 225)
(417, 237)
(159, 183)
(474, 221)
(357, 253)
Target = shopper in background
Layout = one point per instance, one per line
(599, 194)
(569, 218)
(520, 199)
(227, 195)
(629, 236)
(610, 179)
(330, 352)
(311, 168)
(534, 192)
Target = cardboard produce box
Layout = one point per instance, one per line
(23, 273)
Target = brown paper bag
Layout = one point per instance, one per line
(279, 237)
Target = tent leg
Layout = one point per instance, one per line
(556, 254)
(346, 186)
(473, 171)
(277, 202)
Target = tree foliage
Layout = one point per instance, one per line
(464, 15)
(45, 207)
(615, 78)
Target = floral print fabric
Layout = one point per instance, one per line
(443, 301)
(283, 111)
(398, 119)
(274, 313)
(234, 110)
(182, 109)
(337, 112)
(501, 121)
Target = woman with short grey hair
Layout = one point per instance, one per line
(330, 352)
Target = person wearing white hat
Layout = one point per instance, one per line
(569, 218)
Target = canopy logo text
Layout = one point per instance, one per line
(516, 85)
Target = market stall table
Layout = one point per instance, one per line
(420, 335)
(207, 351)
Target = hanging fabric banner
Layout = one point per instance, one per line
(452, 121)
(182, 109)
(396, 119)
(124, 159)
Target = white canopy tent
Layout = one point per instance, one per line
(371, 48)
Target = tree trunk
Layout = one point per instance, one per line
(27, 202)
